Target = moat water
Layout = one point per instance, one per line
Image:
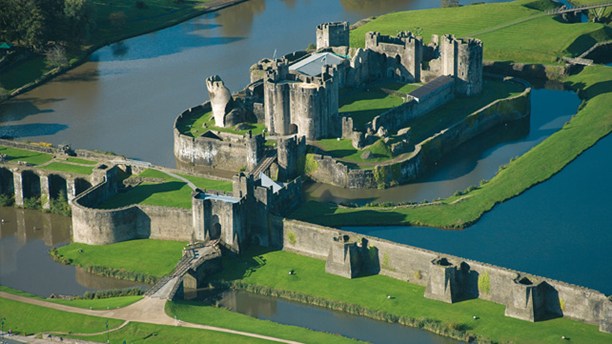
(26, 236)
(321, 319)
(558, 229)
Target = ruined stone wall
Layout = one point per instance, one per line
(403, 53)
(225, 151)
(326, 169)
(412, 264)
(398, 117)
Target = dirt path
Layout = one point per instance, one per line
(148, 310)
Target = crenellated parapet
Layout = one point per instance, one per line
(331, 35)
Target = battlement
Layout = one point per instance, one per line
(331, 35)
(403, 38)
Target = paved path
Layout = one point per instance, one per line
(148, 310)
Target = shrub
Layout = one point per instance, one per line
(32, 203)
(292, 238)
(484, 283)
(6, 200)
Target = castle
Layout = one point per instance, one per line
(296, 98)
(298, 94)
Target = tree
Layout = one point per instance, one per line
(79, 17)
(56, 56)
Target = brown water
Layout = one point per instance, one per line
(26, 236)
(125, 98)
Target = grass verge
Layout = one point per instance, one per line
(31, 157)
(138, 260)
(23, 318)
(552, 41)
(266, 273)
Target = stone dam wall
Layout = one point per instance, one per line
(484, 281)
(326, 169)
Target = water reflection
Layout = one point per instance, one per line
(239, 22)
(26, 236)
(321, 319)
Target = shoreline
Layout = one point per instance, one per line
(216, 5)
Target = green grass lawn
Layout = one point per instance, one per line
(34, 158)
(81, 161)
(150, 257)
(106, 303)
(270, 270)
(343, 150)
(167, 191)
(23, 318)
(198, 125)
(364, 104)
(199, 314)
(592, 122)
(210, 184)
(66, 167)
(553, 38)
(155, 334)
(30, 319)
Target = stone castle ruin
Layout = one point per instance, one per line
(298, 94)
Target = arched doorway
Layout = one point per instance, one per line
(215, 229)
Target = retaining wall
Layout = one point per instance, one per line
(413, 265)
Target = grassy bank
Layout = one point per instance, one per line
(96, 304)
(139, 260)
(486, 22)
(23, 318)
(197, 313)
(26, 319)
(267, 273)
(114, 21)
(592, 122)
